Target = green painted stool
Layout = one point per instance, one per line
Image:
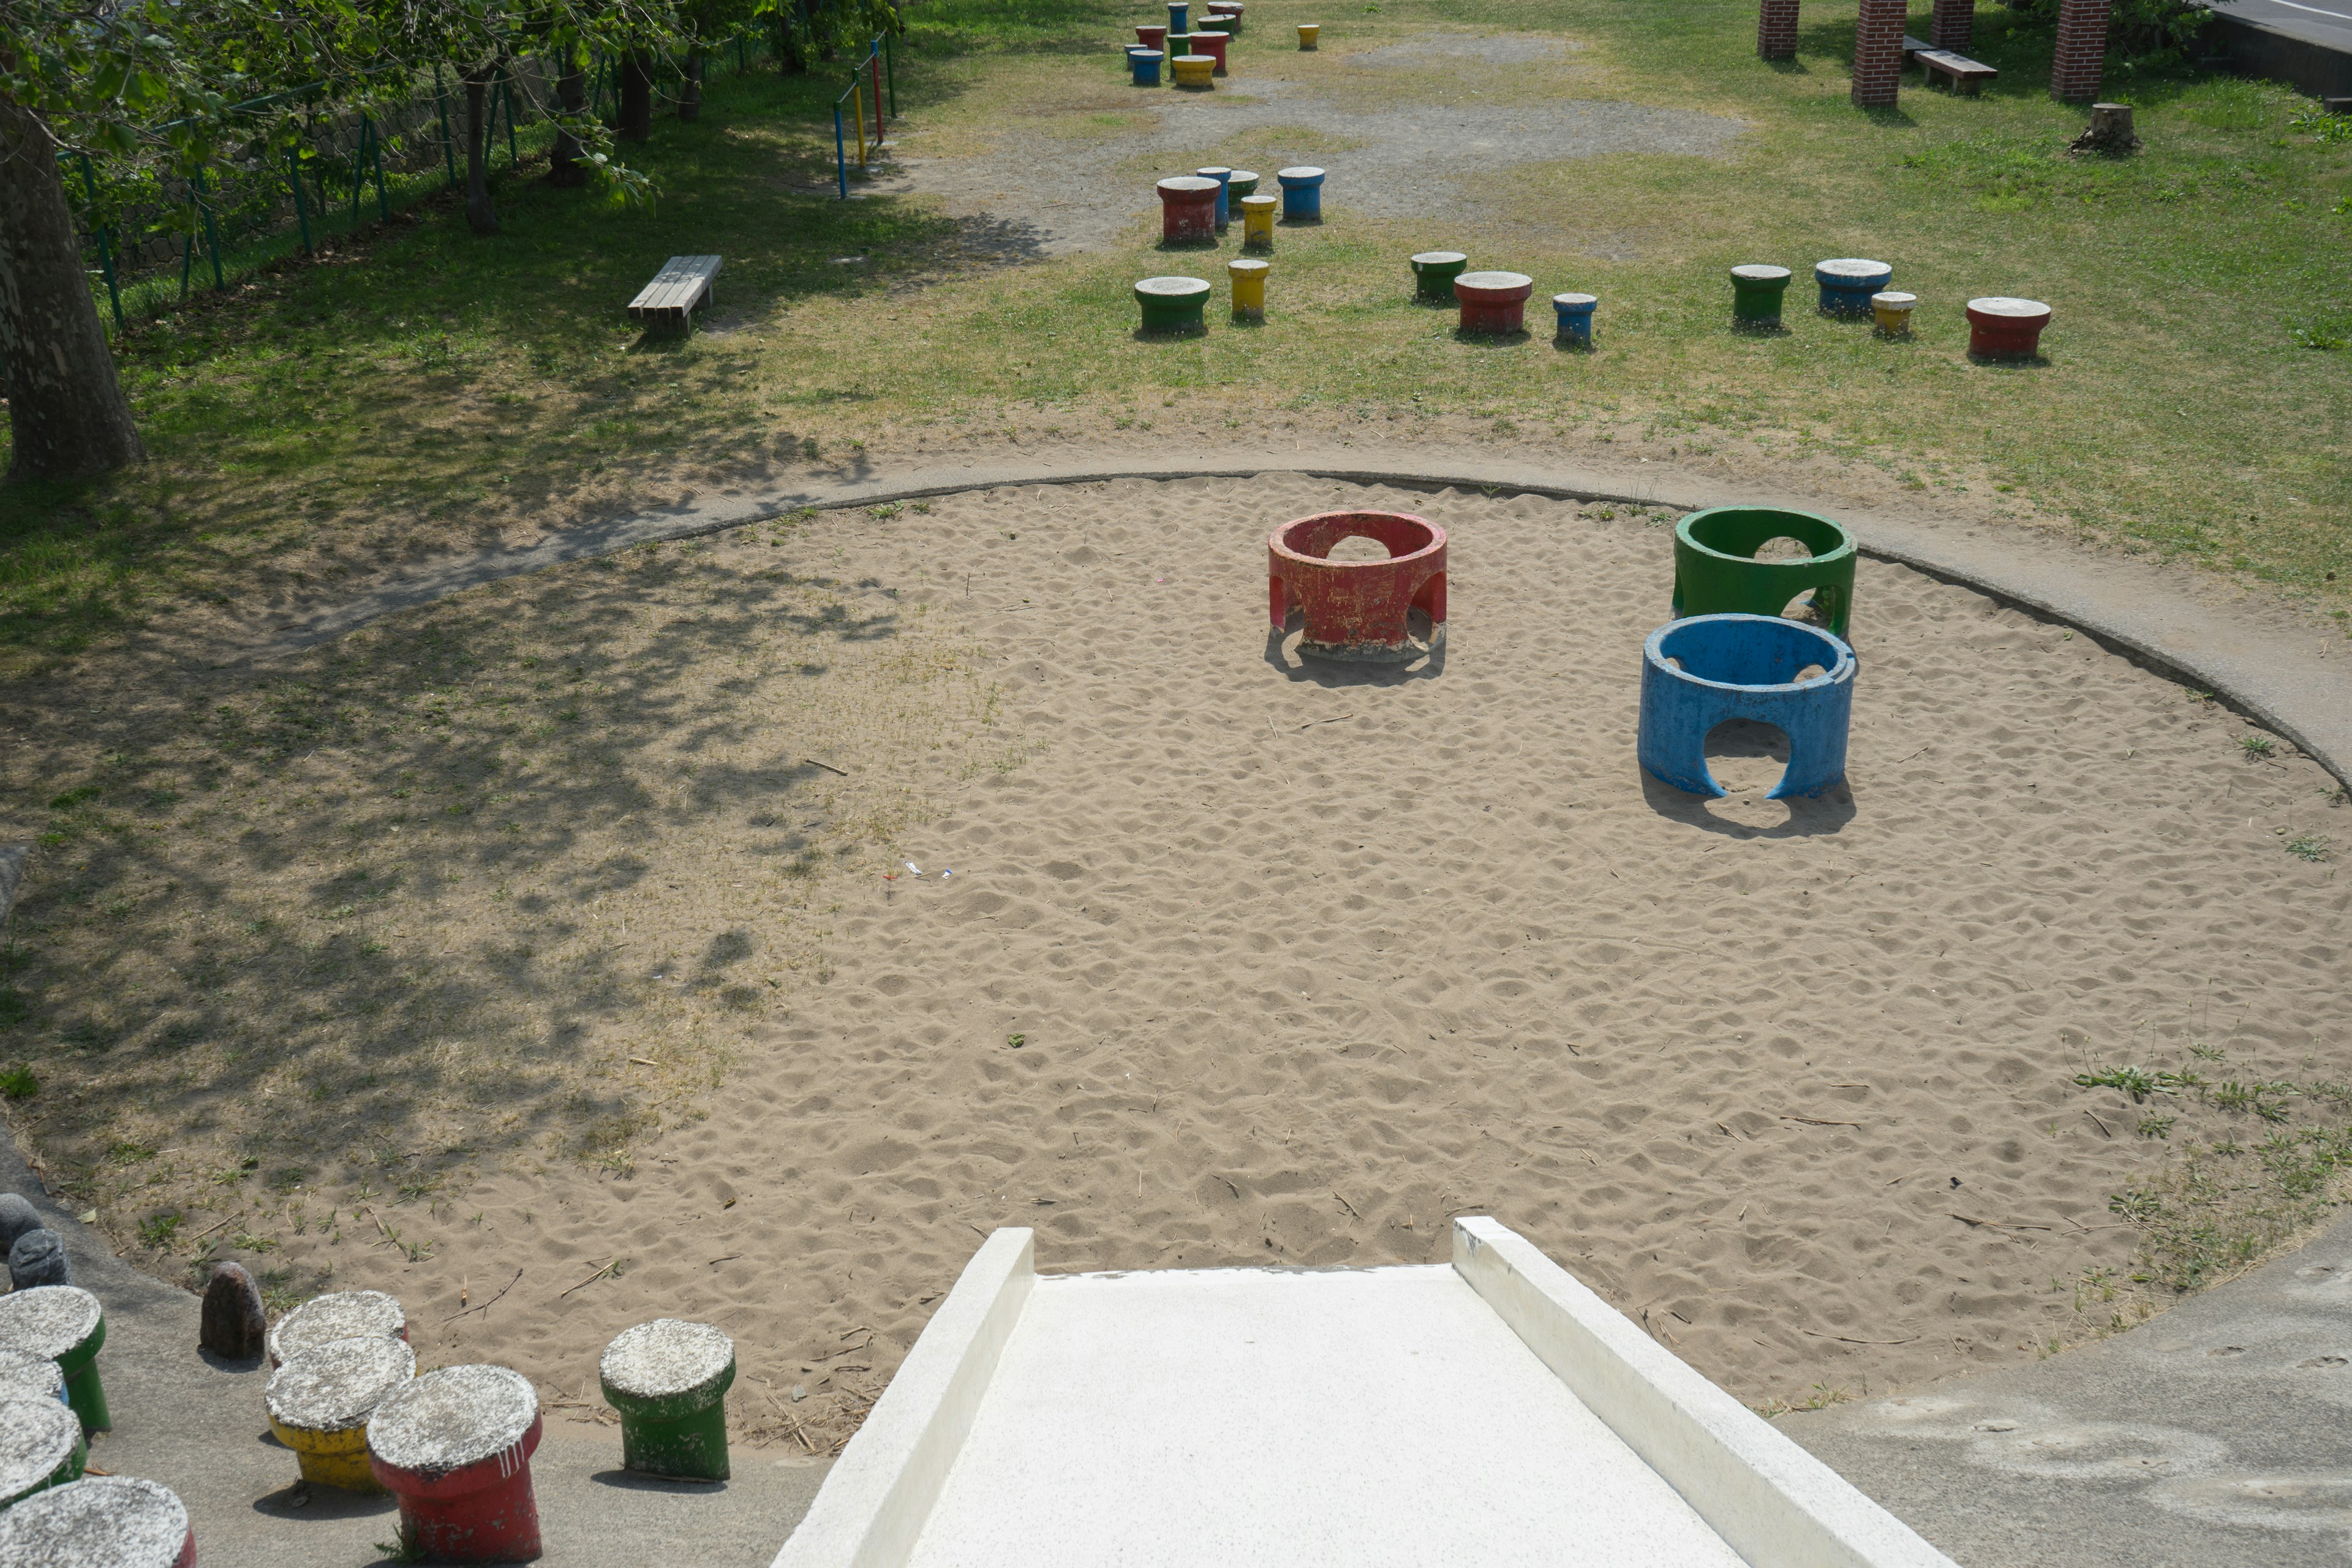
(1756, 294)
(1434, 272)
(65, 1323)
(668, 1379)
(41, 1446)
(1716, 572)
(1172, 304)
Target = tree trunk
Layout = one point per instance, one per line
(637, 96)
(480, 216)
(789, 59)
(565, 169)
(66, 409)
(689, 102)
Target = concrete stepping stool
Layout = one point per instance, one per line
(1144, 65)
(1188, 209)
(1309, 33)
(1193, 71)
(65, 1323)
(1698, 672)
(1226, 15)
(2002, 328)
(1358, 609)
(18, 1215)
(1574, 312)
(668, 1379)
(1151, 38)
(24, 1375)
(1494, 303)
(1224, 177)
(41, 1446)
(1240, 184)
(1756, 294)
(1302, 194)
(1257, 222)
(1211, 43)
(1716, 572)
(1892, 309)
(319, 1402)
(339, 1315)
(1247, 278)
(1173, 304)
(1179, 15)
(1848, 282)
(99, 1521)
(39, 1258)
(455, 1447)
(1434, 272)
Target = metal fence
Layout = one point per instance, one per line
(152, 237)
(864, 92)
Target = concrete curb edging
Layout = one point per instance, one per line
(1774, 1503)
(2134, 607)
(874, 1505)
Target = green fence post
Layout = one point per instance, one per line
(105, 247)
(212, 233)
(301, 208)
(448, 147)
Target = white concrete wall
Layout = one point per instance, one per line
(1776, 1504)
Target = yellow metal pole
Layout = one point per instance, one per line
(857, 106)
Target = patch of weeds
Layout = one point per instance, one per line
(73, 797)
(128, 1153)
(2157, 1126)
(247, 1241)
(422, 1187)
(400, 1550)
(2138, 1083)
(2257, 748)
(18, 1082)
(158, 1230)
(278, 1296)
(287, 1178)
(2312, 846)
(1016, 1041)
(2258, 1098)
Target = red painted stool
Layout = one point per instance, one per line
(1188, 211)
(1494, 303)
(455, 1447)
(2003, 328)
(1358, 609)
(100, 1522)
(1151, 38)
(340, 1315)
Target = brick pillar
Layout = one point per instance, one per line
(1776, 29)
(1954, 20)
(1878, 52)
(2082, 56)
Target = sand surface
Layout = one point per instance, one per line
(1241, 959)
(1303, 962)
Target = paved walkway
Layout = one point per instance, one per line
(2220, 1433)
(197, 1426)
(2294, 681)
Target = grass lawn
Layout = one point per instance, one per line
(421, 387)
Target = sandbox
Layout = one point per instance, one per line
(1248, 958)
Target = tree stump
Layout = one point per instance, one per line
(38, 1258)
(231, 1324)
(2110, 131)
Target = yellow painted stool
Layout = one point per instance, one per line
(1257, 222)
(1249, 288)
(319, 1402)
(1893, 310)
(1194, 71)
(1307, 33)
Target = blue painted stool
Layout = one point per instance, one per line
(1145, 63)
(1302, 194)
(1745, 666)
(1575, 313)
(1224, 178)
(1848, 283)
(1179, 15)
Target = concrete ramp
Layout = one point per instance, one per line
(1490, 1411)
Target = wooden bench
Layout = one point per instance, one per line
(1967, 75)
(1912, 46)
(683, 286)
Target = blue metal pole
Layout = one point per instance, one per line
(840, 151)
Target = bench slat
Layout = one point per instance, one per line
(683, 283)
(1954, 65)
